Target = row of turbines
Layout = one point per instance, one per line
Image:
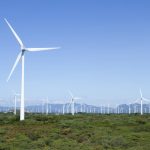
(65, 108)
(51, 108)
(72, 107)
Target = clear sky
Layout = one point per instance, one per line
(105, 54)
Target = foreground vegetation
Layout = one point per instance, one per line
(79, 132)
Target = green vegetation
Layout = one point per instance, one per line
(79, 132)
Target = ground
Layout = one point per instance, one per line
(79, 132)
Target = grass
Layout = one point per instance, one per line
(79, 132)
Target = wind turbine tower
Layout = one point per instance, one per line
(141, 102)
(63, 109)
(108, 109)
(47, 111)
(129, 108)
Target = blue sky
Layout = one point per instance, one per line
(104, 56)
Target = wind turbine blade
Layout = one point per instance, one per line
(147, 100)
(15, 34)
(136, 101)
(141, 93)
(70, 93)
(14, 66)
(77, 98)
(41, 49)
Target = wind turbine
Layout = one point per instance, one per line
(117, 108)
(143, 99)
(63, 108)
(141, 102)
(47, 107)
(129, 108)
(81, 109)
(72, 102)
(108, 109)
(15, 101)
(21, 57)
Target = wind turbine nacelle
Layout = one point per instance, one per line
(23, 50)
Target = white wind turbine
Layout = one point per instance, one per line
(47, 107)
(73, 101)
(129, 108)
(63, 109)
(143, 99)
(81, 108)
(16, 95)
(21, 57)
(141, 102)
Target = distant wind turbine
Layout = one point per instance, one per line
(81, 109)
(73, 101)
(108, 109)
(15, 101)
(63, 108)
(47, 108)
(141, 102)
(143, 99)
(129, 108)
(21, 57)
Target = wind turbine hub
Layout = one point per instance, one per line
(23, 50)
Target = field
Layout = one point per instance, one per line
(79, 132)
